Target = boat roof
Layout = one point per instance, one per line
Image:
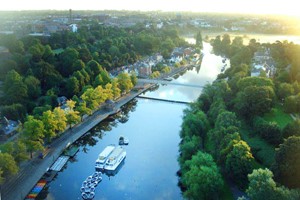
(107, 151)
(117, 151)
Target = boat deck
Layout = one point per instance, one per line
(59, 163)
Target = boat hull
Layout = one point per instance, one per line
(115, 165)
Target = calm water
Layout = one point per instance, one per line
(152, 127)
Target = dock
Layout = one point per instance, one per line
(59, 163)
(71, 151)
(36, 190)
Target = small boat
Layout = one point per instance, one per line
(102, 158)
(168, 79)
(123, 140)
(115, 158)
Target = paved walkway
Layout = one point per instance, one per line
(17, 187)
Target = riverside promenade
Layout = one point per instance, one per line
(18, 186)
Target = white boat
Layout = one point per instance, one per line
(115, 158)
(102, 158)
(123, 140)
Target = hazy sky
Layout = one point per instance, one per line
(286, 7)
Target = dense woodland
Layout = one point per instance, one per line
(228, 135)
(37, 70)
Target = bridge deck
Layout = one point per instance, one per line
(157, 81)
(166, 100)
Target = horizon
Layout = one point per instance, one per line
(254, 7)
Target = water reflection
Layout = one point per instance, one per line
(207, 72)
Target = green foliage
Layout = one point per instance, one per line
(50, 125)
(277, 115)
(17, 149)
(227, 119)
(124, 82)
(199, 42)
(14, 112)
(292, 128)
(60, 118)
(239, 163)
(202, 178)
(33, 134)
(254, 81)
(188, 147)
(254, 101)
(15, 91)
(263, 152)
(262, 186)
(8, 164)
(270, 131)
(287, 162)
(194, 124)
(292, 104)
(34, 87)
(285, 90)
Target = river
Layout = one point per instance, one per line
(152, 127)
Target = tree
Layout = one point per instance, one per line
(293, 128)
(285, 90)
(125, 83)
(68, 57)
(262, 186)
(34, 87)
(8, 164)
(72, 87)
(287, 162)
(115, 89)
(83, 109)
(17, 149)
(254, 101)
(90, 99)
(270, 131)
(50, 125)
(202, 178)
(239, 163)
(188, 147)
(195, 124)
(72, 117)
(199, 42)
(60, 117)
(226, 119)
(15, 90)
(33, 134)
(1, 176)
(14, 112)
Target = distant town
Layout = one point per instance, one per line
(44, 23)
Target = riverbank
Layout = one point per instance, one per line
(19, 185)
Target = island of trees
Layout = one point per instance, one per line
(240, 132)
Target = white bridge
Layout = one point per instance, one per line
(164, 82)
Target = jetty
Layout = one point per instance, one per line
(59, 163)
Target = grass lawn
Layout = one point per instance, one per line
(261, 150)
(279, 116)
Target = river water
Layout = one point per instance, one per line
(152, 127)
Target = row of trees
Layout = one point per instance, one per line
(39, 130)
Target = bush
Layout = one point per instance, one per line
(270, 131)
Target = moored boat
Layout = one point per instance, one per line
(115, 158)
(102, 158)
(123, 140)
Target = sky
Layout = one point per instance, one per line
(286, 7)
